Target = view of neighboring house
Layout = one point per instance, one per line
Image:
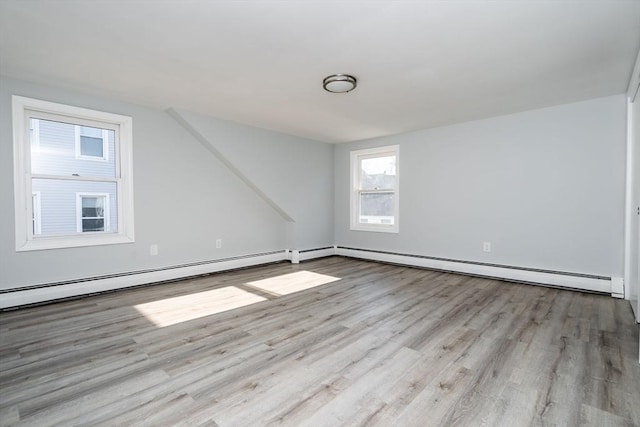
(376, 188)
(73, 182)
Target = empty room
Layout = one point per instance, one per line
(319, 213)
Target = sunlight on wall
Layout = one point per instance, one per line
(170, 311)
(293, 282)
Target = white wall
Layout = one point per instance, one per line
(295, 173)
(185, 198)
(545, 187)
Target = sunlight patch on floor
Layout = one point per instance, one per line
(292, 282)
(170, 311)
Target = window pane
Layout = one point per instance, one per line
(93, 202)
(90, 146)
(376, 208)
(90, 131)
(378, 173)
(89, 225)
(92, 213)
(59, 209)
(54, 151)
(93, 207)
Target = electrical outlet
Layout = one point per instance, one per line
(218, 243)
(153, 250)
(486, 246)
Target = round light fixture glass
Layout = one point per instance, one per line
(339, 83)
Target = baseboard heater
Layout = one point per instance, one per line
(29, 295)
(585, 282)
(307, 254)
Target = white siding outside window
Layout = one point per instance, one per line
(374, 189)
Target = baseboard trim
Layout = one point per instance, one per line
(582, 282)
(57, 291)
(307, 254)
(52, 292)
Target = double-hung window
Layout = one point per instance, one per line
(73, 176)
(374, 189)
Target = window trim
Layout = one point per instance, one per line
(22, 109)
(356, 157)
(105, 146)
(106, 214)
(36, 133)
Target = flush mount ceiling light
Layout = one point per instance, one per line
(339, 83)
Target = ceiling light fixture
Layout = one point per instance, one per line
(339, 83)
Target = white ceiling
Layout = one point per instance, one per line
(419, 64)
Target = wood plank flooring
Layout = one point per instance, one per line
(329, 342)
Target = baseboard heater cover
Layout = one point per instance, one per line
(56, 291)
(307, 254)
(577, 281)
(29, 295)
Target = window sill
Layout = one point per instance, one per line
(44, 243)
(375, 229)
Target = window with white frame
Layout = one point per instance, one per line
(63, 197)
(374, 189)
(92, 212)
(92, 143)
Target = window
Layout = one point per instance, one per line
(374, 189)
(92, 212)
(63, 196)
(91, 143)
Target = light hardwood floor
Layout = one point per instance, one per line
(374, 345)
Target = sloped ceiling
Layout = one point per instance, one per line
(419, 64)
